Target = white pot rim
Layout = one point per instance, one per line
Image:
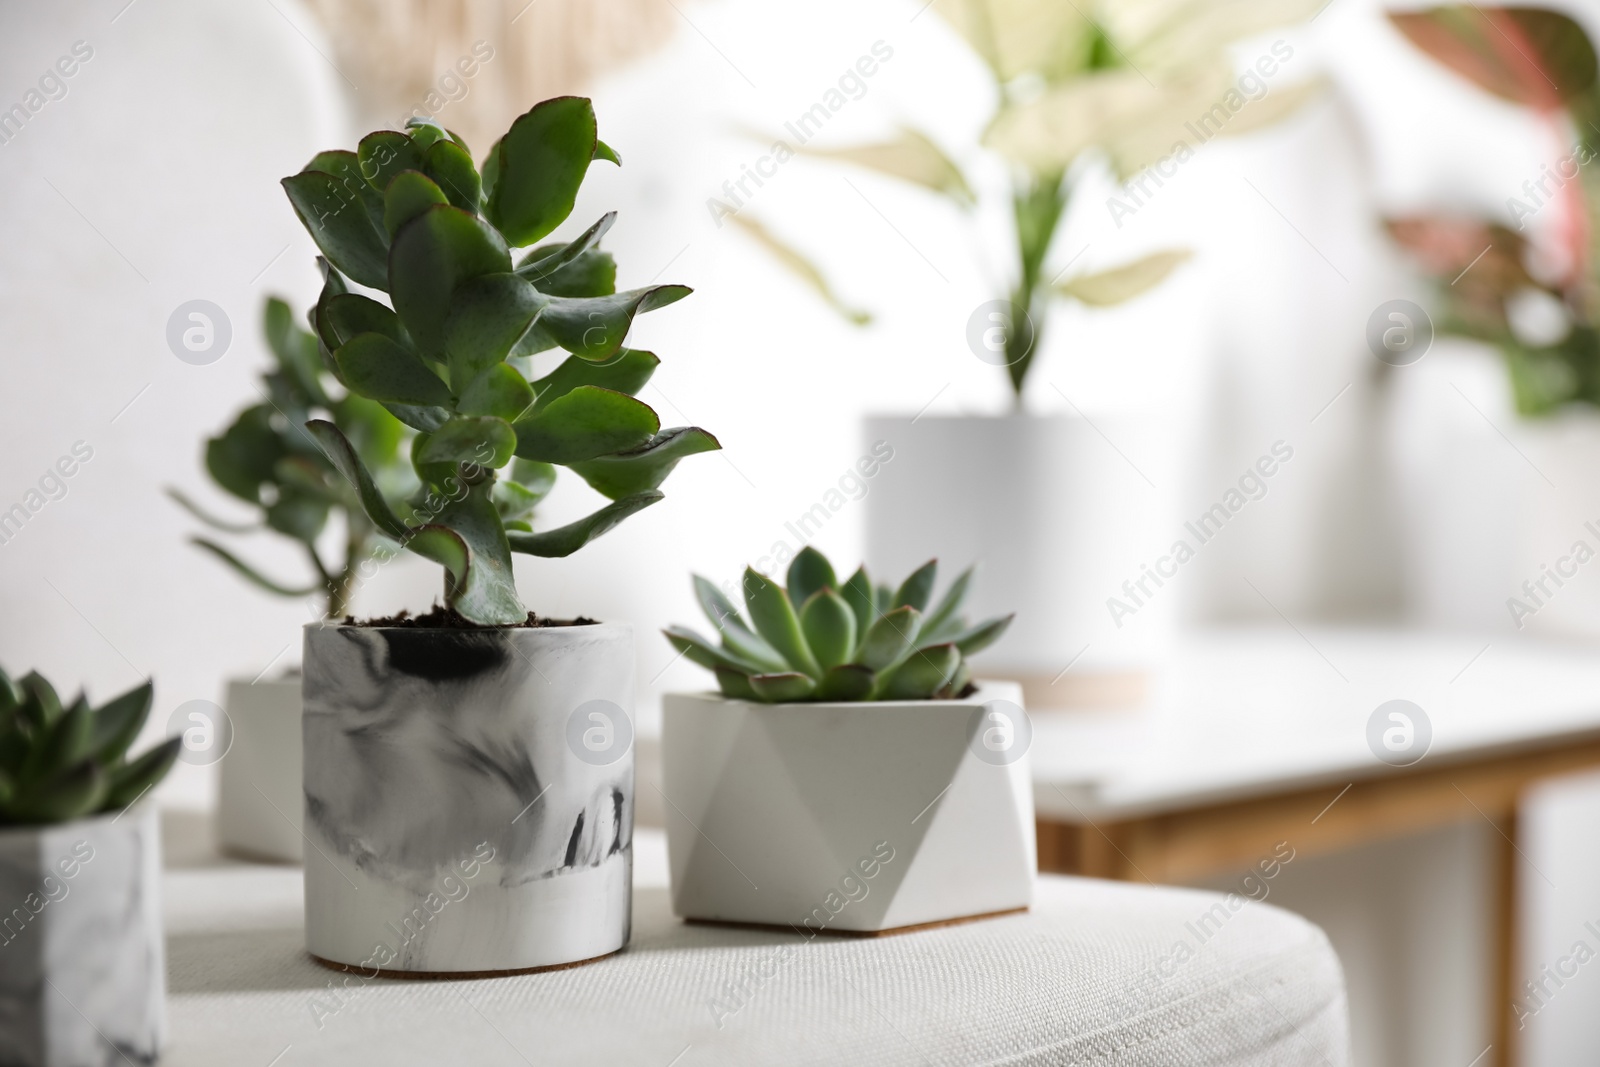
(135, 810)
(593, 627)
(988, 689)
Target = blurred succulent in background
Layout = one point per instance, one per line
(409, 215)
(1538, 303)
(819, 640)
(60, 762)
(268, 460)
(1123, 81)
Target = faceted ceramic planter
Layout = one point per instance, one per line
(259, 793)
(82, 963)
(468, 797)
(848, 818)
(1057, 521)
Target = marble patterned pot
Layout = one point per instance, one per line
(468, 797)
(82, 961)
(848, 818)
(258, 789)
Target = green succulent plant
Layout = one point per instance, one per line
(267, 460)
(819, 640)
(63, 761)
(409, 215)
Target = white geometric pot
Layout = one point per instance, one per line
(1057, 520)
(82, 962)
(848, 818)
(259, 797)
(468, 796)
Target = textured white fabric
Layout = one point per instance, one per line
(1092, 975)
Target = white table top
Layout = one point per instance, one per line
(1252, 712)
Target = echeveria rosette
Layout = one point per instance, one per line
(61, 761)
(267, 460)
(820, 640)
(409, 215)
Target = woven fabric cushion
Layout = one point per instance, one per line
(1096, 973)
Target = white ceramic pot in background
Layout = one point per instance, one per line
(855, 818)
(82, 961)
(1491, 500)
(1058, 512)
(259, 797)
(468, 796)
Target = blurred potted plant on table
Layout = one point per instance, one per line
(473, 766)
(1524, 282)
(844, 708)
(1133, 88)
(268, 460)
(84, 980)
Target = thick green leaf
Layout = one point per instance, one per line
(65, 743)
(341, 225)
(738, 637)
(543, 262)
(857, 592)
(948, 613)
(734, 685)
(809, 572)
(646, 467)
(697, 649)
(448, 164)
(538, 166)
(130, 782)
(586, 423)
(249, 573)
(782, 688)
(489, 594)
(829, 627)
(774, 619)
(417, 416)
(498, 391)
(118, 722)
(529, 483)
(922, 675)
(627, 372)
(295, 349)
(298, 514)
(243, 458)
(595, 327)
(346, 166)
(433, 254)
(483, 440)
(380, 369)
(71, 794)
(384, 154)
(981, 636)
(443, 546)
(409, 195)
(890, 637)
(41, 705)
(488, 316)
(846, 682)
(348, 315)
(344, 459)
(918, 588)
(607, 153)
(565, 540)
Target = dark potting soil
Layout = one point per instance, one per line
(440, 617)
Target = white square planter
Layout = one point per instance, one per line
(259, 796)
(848, 818)
(82, 961)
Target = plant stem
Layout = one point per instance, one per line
(1038, 202)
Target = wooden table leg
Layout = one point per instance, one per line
(1506, 945)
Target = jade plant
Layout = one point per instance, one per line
(64, 761)
(820, 640)
(409, 215)
(267, 460)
